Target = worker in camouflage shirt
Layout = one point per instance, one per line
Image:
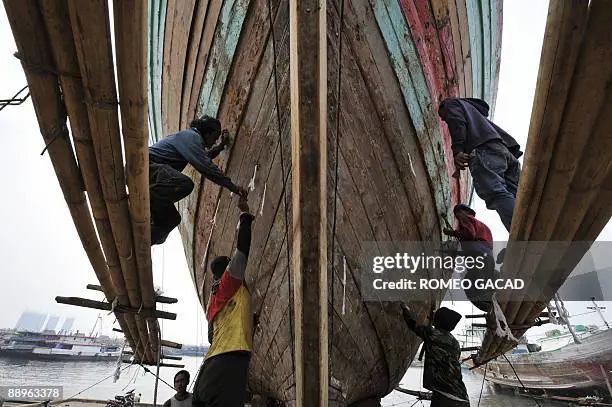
(442, 373)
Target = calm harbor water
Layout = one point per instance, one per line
(77, 376)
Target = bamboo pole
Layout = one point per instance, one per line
(131, 34)
(34, 49)
(91, 31)
(577, 176)
(56, 18)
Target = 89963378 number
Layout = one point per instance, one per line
(31, 392)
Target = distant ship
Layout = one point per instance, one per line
(33, 345)
(28, 341)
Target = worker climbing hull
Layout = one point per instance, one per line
(394, 182)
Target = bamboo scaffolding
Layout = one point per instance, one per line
(560, 196)
(55, 15)
(131, 28)
(34, 50)
(91, 31)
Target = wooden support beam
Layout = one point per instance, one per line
(137, 362)
(87, 303)
(170, 344)
(308, 67)
(171, 357)
(160, 298)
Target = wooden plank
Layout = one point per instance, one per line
(191, 64)
(418, 100)
(174, 70)
(157, 70)
(487, 60)
(444, 13)
(496, 42)
(166, 65)
(210, 24)
(369, 49)
(228, 31)
(476, 43)
(243, 82)
(308, 25)
(450, 7)
(466, 47)
(84, 302)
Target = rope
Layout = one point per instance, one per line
(337, 151)
(519, 379)
(282, 159)
(15, 101)
(43, 69)
(55, 133)
(147, 370)
(95, 384)
(482, 385)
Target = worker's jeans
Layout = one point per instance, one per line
(166, 186)
(496, 176)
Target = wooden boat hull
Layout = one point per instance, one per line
(572, 367)
(394, 183)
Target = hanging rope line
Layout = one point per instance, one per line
(519, 379)
(93, 385)
(484, 376)
(337, 160)
(15, 100)
(282, 159)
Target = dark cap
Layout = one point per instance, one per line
(464, 207)
(218, 265)
(446, 318)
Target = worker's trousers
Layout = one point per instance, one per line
(222, 381)
(166, 186)
(496, 176)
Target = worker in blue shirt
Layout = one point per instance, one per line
(169, 156)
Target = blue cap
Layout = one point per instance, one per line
(464, 207)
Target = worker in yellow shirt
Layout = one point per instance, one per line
(222, 380)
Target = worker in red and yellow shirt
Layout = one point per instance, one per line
(476, 241)
(222, 380)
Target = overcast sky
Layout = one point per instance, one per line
(42, 256)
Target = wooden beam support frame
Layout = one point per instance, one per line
(171, 357)
(137, 362)
(87, 303)
(308, 67)
(167, 344)
(160, 298)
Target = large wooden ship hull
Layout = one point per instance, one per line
(572, 367)
(394, 183)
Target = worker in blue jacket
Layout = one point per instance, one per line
(167, 159)
(490, 153)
